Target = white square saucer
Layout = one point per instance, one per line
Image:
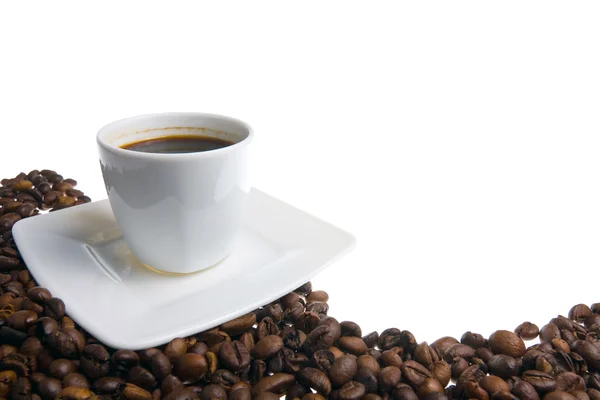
(80, 255)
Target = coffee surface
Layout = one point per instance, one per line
(178, 144)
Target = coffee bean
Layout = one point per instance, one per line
(290, 299)
(502, 365)
(388, 378)
(240, 324)
(474, 340)
(414, 373)
(548, 332)
(459, 350)
(353, 345)
(425, 355)
(277, 383)
(589, 352)
(267, 347)
(39, 294)
(22, 389)
(22, 319)
(371, 339)
(161, 365)
(62, 367)
(320, 307)
(350, 391)
(317, 295)
(67, 343)
(527, 331)
(368, 378)
(296, 391)
(234, 355)
(176, 348)
(442, 372)
(392, 357)
(335, 328)
(190, 367)
(443, 344)
(524, 391)
(76, 379)
(579, 312)
(493, 384)
(305, 289)
(343, 370)
(267, 327)
(506, 342)
(316, 379)
(541, 381)
(350, 328)
(54, 308)
(213, 392)
(559, 395)
(320, 338)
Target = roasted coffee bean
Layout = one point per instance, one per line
(335, 328)
(320, 307)
(323, 360)
(200, 348)
(368, 378)
(258, 368)
(371, 339)
(49, 388)
(368, 362)
(267, 327)
(388, 378)
(45, 326)
(442, 344)
(475, 340)
(579, 312)
(343, 370)
(353, 345)
(213, 392)
(493, 384)
(160, 364)
(317, 295)
(95, 361)
(190, 367)
(307, 321)
(506, 342)
(524, 391)
(502, 365)
(414, 373)
(305, 289)
(141, 377)
(569, 381)
(240, 324)
(350, 391)
(425, 354)
(267, 396)
(404, 392)
(292, 338)
(7, 380)
(234, 355)
(391, 357)
(21, 320)
(296, 391)
(459, 350)
(559, 395)
(21, 390)
(290, 299)
(76, 379)
(267, 347)
(66, 343)
(170, 383)
(54, 308)
(123, 360)
(320, 338)
(350, 328)
(176, 348)
(277, 383)
(541, 381)
(316, 379)
(32, 346)
(273, 311)
(62, 367)
(428, 387)
(337, 353)
(224, 378)
(39, 294)
(548, 332)
(442, 372)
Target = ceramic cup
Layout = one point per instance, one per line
(179, 213)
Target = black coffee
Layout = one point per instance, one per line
(178, 144)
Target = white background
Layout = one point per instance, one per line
(458, 141)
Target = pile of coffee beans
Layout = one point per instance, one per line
(289, 348)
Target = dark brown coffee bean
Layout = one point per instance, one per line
(258, 368)
(292, 338)
(123, 360)
(317, 295)
(182, 394)
(353, 345)
(170, 383)
(527, 331)
(267, 347)
(76, 379)
(190, 367)
(589, 351)
(22, 319)
(579, 312)
(506, 342)
(524, 391)
(388, 378)
(296, 391)
(559, 395)
(403, 392)
(267, 327)
(414, 373)
(290, 299)
(273, 311)
(350, 328)
(443, 344)
(316, 379)
(141, 377)
(160, 364)
(391, 357)
(474, 391)
(425, 355)
(176, 348)
(343, 370)
(548, 332)
(305, 289)
(459, 350)
(541, 381)
(493, 384)
(474, 340)
(240, 324)
(8, 220)
(428, 387)
(39, 294)
(146, 354)
(213, 392)
(234, 355)
(62, 367)
(335, 328)
(45, 326)
(320, 307)
(54, 308)
(66, 343)
(368, 378)
(441, 371)
(320, 338)
(307, 321)
(502, 365)
(74, 393)
(277, 383)
(200, 348)
(350, 391)
(371, 339)
(50, 388)
(95, 361)
(569, 381)
(32, 346)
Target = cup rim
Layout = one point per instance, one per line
(171, 156)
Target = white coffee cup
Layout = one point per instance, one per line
(179, 212)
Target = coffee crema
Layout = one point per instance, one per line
(178, 144)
